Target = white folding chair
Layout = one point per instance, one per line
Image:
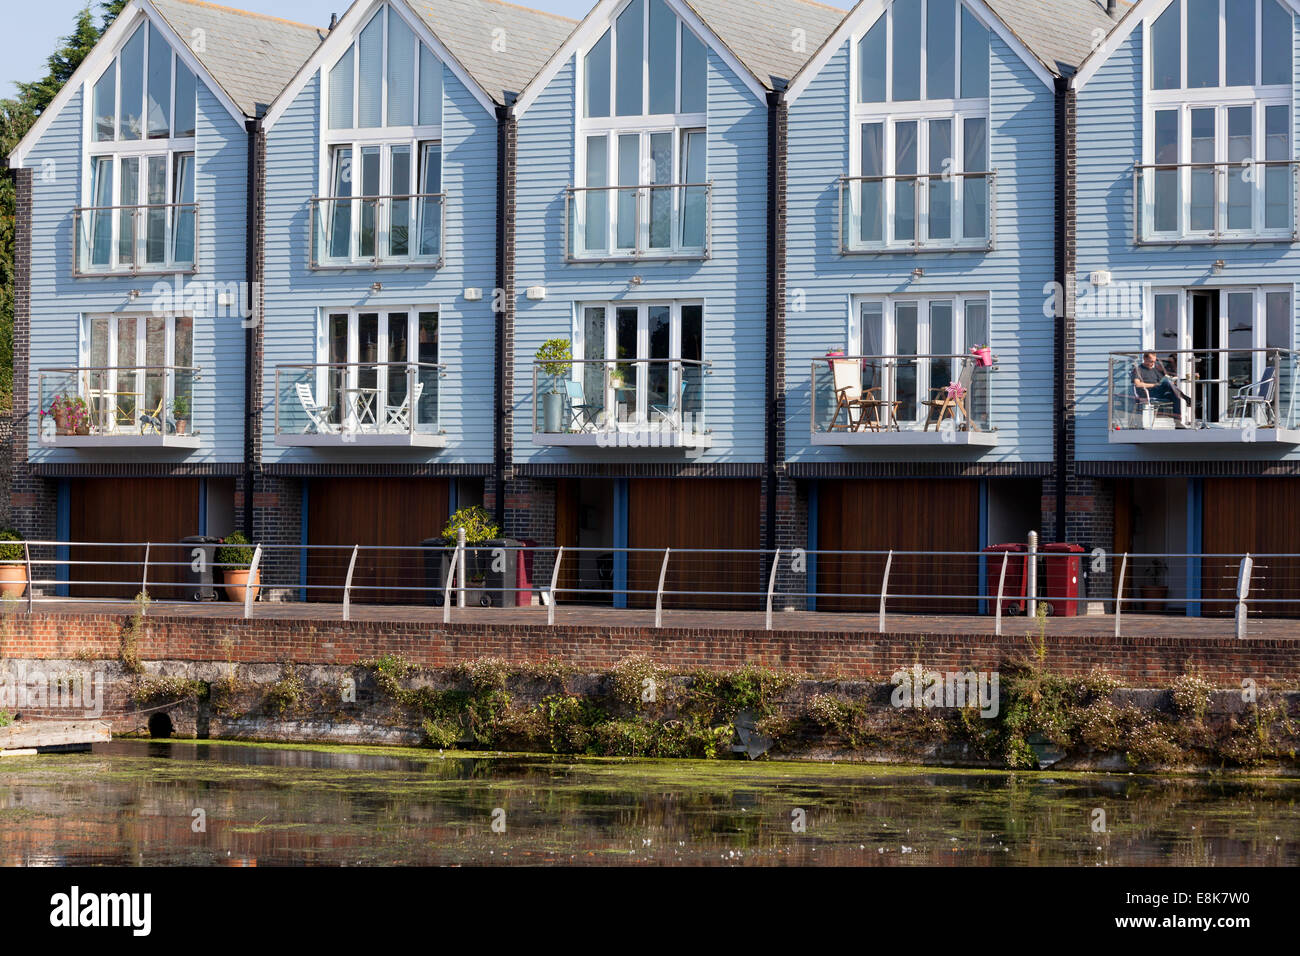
(318, 415)
(398, 417)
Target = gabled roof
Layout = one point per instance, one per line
(762, 32)
(1060, 32)
(468, 28)
(1051, 36)
(755, 38)
(252, 56)
(1133, 12)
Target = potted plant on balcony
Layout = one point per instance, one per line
(181, 413)
(71, 415)
(235, 555)
(555, 357)
(13, 565)
(983, 355)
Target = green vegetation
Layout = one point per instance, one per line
(287, 694)
(127, 653)
(555, 356)
(6, 718)
(476, 521)
(158, 690)
(235, 552)
(12, 548)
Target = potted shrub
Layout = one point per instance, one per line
(235, 555)
(555, 356)
(181, 412)
(480, 530)
(71, 415)
(13, 565)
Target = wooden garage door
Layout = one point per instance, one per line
(696, 513)
(918, 515)
(1258, 516)
(131, 510)
(391, 512)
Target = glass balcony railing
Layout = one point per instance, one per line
(1247, 201)
(365, 403)
(378, 231)
(859, 399)
(135, 240)
(671, 221)
(1203, 395)
(918, 213)
(623, 403)
(126, 405)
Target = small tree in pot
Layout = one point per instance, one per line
(13, 565)
(181, 412)
(479, 529)
(555, 358)
(235, 556)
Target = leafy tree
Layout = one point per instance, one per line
(17, 115)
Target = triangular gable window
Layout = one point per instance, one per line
(387, 77)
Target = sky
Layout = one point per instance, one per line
(33, 27)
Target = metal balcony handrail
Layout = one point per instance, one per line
(587, 189)
(697, 363)
(398, 196)
(641, 224)
(909, 177)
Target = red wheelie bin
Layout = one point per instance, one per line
(1064, 573)
(1013, 589)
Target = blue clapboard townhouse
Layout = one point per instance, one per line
(1187, 249)
(380, 265)
(641, 258)
(132, 298)
(920, 250)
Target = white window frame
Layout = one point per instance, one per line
(115, 362)
(643, 307)
(612, 126)
(352, 361)
(924, 342)
(118, 149)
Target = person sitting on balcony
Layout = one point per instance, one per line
(1152, 383)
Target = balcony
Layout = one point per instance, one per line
(1202, 203)
(122, 407)
(618, 223)
(954, 212)
(1233, 396)
(883, 401)
(638, 403)
(134, 240)
(378, 232)
(360, 405)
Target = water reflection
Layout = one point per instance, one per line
(133, 803)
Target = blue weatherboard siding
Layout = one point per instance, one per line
(1021, 150)
(59, 301)
(1109, 142)
(732, 282)
(295, 293)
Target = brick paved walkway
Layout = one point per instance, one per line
(1133, 625)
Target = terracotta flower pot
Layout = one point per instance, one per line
(62, 422)
(237, 584)
(13, 580)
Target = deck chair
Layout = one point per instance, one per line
(941, 404)
(846, 376)
(399, 416)
(582, 414)
(1257, 395)
(317, 415)
(671, 413)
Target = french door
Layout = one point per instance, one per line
(914, 345)
(650, 351)
(1215, 341)
(372, 357)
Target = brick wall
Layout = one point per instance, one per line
(1137, 662)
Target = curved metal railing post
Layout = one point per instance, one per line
(884, 590)
(144, 575)
(347, 585)
(1119, 591)
(451, 578)
(771, 585)
(251, 589)
(1002, 583)
(555, 580)
(31, 585)
(659, 594)
(1244, 572)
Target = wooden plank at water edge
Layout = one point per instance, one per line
(27, 736)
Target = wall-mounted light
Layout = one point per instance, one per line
(917, 273)
(134, 294)
(473, 295)
(635, 281)
(377, 287)
(1218, 267)
(536, 292)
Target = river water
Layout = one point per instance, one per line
(161, 803)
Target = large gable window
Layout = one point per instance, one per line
(642, 166)
(382, 202)
(920, 176)
(140, 214)
(1218, 154)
